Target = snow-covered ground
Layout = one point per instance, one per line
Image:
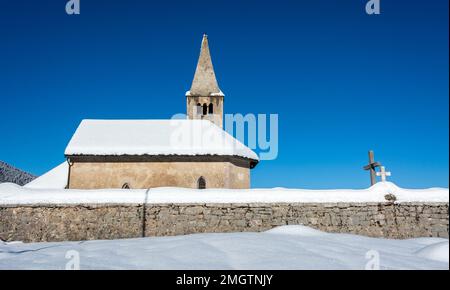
(288, 247)
(14, 194)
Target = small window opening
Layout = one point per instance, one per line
(201, 183)
(210, 109)
(125, 186)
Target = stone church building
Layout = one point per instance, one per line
(195, 152)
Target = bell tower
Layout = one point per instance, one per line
(205, 99)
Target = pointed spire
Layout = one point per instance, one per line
(204, 83)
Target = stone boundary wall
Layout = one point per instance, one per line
(44, 223)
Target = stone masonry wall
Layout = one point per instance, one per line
(85, 222)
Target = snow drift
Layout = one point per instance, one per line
(437, 252)
(291, 247)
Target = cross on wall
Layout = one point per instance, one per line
(371, 166)
(383, 173)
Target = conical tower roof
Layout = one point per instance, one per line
(205, 82)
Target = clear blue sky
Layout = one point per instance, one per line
(342, 82)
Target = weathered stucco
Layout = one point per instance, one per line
(137, 174)
(85, 222)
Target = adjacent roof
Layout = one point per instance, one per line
(55, 178)
(204, 83)
(154, 137)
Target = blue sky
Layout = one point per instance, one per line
(341, 81)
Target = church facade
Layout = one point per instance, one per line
(191, 153)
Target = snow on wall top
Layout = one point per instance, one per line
(12, 194)
(154, 137)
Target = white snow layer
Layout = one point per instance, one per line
(437, 252)
(219, 94)
(55, 178)
(14, 194)
(288, 247)
(154, 137)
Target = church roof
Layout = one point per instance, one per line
(154, 137)
(205, 82)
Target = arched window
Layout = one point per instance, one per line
(205, 109)
(201, 183)
(199, 109)
(125, 186)
(210, 109)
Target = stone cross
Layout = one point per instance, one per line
(371, 166)
(383, 173)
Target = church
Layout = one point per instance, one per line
(194, 152)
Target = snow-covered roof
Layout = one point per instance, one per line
(154, 137)
(54, 178)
